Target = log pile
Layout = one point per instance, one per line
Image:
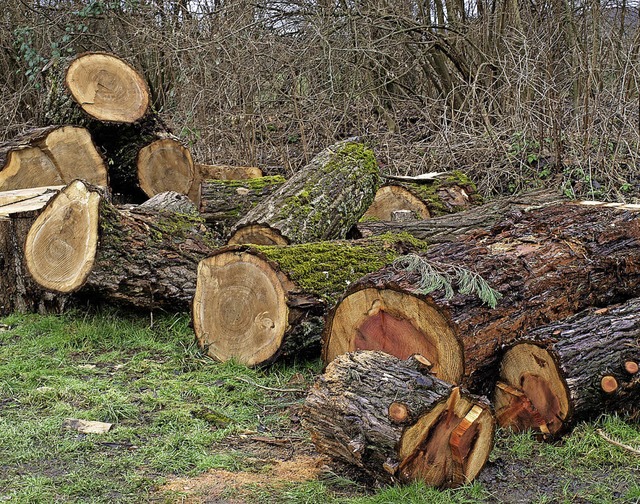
(531, 301)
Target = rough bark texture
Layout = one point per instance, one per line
(145, 258)
(548, 264)
(448, 228)
(225, 202)
(583, 348)
(360, 409)
(323, 200)
(312, 277)
(18, 292)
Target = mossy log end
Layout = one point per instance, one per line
(396, 422)
(571, 369)
(49, 156)
(225, 202)
(547, 265)
(443, 195)
(18, 291)
(260, 303)
(322, 201)
(141, 257)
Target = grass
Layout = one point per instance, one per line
(152, 383)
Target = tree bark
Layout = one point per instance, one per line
(547, 264)
(225, 202)
(141, 257)
(396, 422)
(49, 156)
(18, 292)
(261, 303)
(322, 201)
(572, 369)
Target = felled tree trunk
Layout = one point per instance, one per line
(55, 155)
(571, 369)
(225, 202)
(226, 172)
(548, 265)
(448, 193)
(322, 201)
(450, 227)
(18, 292)
(396, 422)
(143, 257)
(257, 304)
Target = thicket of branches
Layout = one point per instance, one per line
(518, 94)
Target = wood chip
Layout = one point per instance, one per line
(86, 426)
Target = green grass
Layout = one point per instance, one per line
(153, 384)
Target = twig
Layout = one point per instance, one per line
(631, 449)
(268, 388)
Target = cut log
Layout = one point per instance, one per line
(143, 257)
(450, 227)
(322, 201)
(165, 165)
(50, 156)
(226, 172)
(442, 195)
(396, 422)
(257, 304)
(548, 265)
(18, 292)
(225, 202)
(571, 369)
(96, 86)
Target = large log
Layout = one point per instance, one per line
(396, 422)
(572, 369)
(225, 202)
(443, 194)
(547, 265)
(54, 155)
(144, 257)
(257, 304)
(18, 292)
(322, 201)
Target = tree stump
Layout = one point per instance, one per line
(322, 201)
(396, 422)
(142, 257)
(257, 304)
(50, 156)
(547, 265)
(448, 193)
(572, 369)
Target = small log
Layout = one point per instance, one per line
(18, 292)
(571, 369)
(548, 265)
(258, 304)
(448, 193)
(226, 172)
(396, 422)
(50, 156)
(322, 201)
(142, 257)
(225, 202)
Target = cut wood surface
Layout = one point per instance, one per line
(227, 172)
(256, 304)
(547, 264)
(141, 257)
(225, 202)
(396, 422)
(165, 165)
(50, 156)
(18, 292)
(572, 369)
(448, 193)
(322, 201)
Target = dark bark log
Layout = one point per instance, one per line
(141, 257)
(572, 369)
(322, 201)
(548, 264)
(396, 422)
